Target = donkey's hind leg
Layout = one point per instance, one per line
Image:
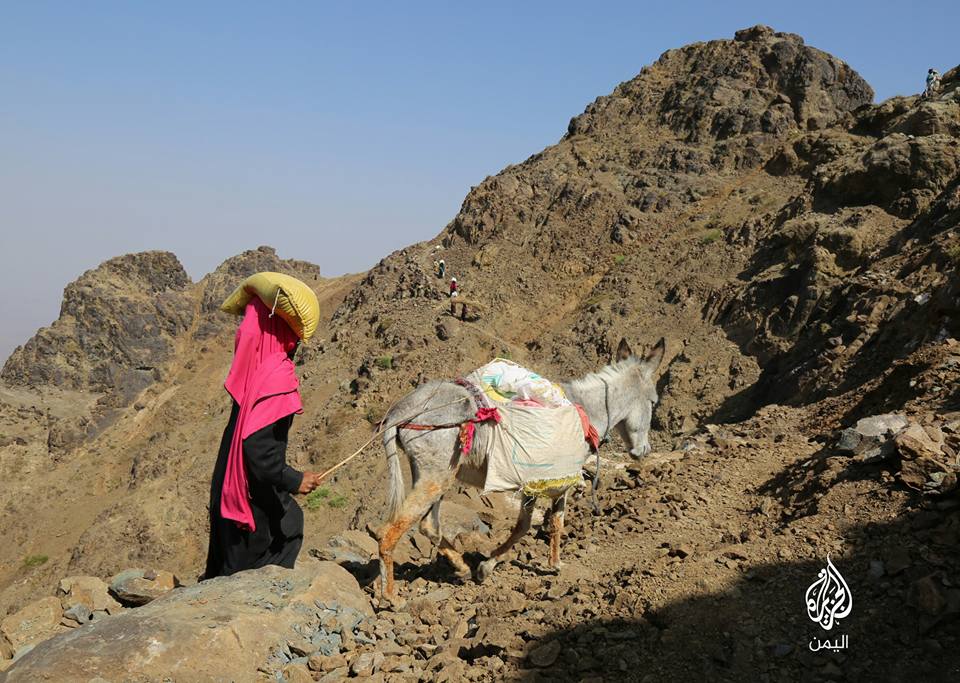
(424, 494)
(556, 529)
(519, 530)
(431, 528)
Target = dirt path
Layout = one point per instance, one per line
(693, 572)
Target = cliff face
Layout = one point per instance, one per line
(796, 244)
(117, 325)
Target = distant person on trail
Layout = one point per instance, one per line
(441, 269)
(933, 82)
(453, 294)
(254, 520)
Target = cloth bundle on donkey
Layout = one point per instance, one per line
(533, 437)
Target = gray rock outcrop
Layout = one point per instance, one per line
(219, 630)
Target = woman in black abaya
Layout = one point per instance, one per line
(254, 520)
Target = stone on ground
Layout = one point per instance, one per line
(349, 547)
(140, 586)
(36, 622)
(89, 591)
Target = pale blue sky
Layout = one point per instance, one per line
(335, 132)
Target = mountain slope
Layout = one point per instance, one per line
(795, 243)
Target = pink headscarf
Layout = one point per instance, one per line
(264, 384)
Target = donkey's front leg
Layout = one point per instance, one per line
(556, 529)
(519, 530)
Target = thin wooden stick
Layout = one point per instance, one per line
(352, 455)
(380, 432)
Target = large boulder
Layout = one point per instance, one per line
(35, 622)
(870, 433)
(225, 629)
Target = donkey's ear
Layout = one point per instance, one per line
(653, 358)
(623, 350)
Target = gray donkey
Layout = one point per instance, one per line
(621, 396)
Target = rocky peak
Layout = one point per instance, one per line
(217, 285)
(666, 137)
(761, 82)
(116, 326)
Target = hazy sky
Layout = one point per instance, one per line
(335, 132)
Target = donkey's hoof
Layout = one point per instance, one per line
(485, 569)
(555, 568)
(392, 602)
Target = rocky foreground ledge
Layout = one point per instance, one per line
(263, 622)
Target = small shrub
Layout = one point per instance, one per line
(620, 259)
(34, 560)
(315, 499)
(710, 236)
(374, 414)
(954, 253)
(321, 496)
(385, 362)
(595, 299)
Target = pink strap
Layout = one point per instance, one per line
(487, 414)
(590, 433)
(469, 428)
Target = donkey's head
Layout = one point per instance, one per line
(638, 395)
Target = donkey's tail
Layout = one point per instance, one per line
(396, 494)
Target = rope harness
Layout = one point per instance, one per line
(485, 412)
(467, 427)
(603, 439)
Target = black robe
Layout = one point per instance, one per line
(278, 518)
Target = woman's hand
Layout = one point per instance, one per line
(311, 480)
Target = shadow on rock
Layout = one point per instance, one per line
(902, 626)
